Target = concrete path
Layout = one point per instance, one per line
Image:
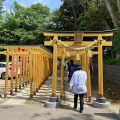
(20, 107)
(38, 112)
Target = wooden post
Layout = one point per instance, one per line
(88, 78)
(35, 74)
(34, 82)
(26, 70)
(100, 68)
(39, 69)
(16, 82)
(54, 79)
(43, 69)
(11, 83)
(84, 62)
(6, 74)
(62, 73)
(30, 71)
(84, 58)
(21, 73)
(48, 66)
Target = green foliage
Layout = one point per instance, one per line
(118, 18)
(95, 60)
(114, 6)
(116, 41)
(83, 22)
(107, 60)
(97, 17)
(1, 9)
(81, 15)
(115, 62)
(65, 18)
(21, 25)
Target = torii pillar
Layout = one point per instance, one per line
(53, 101)
(100, 99)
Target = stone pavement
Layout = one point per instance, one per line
(21, 107)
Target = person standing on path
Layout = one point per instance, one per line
(78, 83)
(66, 70)
(71, 69)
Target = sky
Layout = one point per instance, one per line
(52, 4)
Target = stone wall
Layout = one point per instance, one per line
(110, 72)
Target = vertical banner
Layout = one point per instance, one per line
(19, 49)
(23, 62)
(14, 66)
(15, 63)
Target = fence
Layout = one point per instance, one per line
(110, 72)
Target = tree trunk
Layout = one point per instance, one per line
(114, 20)
(117, 56)
(118, 4)
(106, 24)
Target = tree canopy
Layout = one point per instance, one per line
(81, 15)
(21, 25)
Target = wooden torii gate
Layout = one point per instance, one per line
(60, 47)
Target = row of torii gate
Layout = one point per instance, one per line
(35, 67)
(78, 47)
(35, 61)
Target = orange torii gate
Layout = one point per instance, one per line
(35, 67)
(61, 47)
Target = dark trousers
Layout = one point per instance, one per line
(69, 78)
(81, 96)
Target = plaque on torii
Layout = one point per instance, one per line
(78, 38)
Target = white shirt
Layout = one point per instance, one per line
(66, 67)
(78, 82)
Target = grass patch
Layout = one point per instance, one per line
(111, 90)
(108, 61)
